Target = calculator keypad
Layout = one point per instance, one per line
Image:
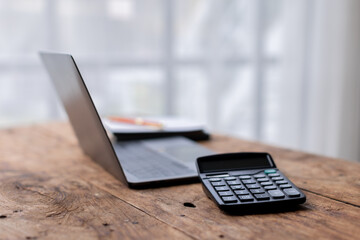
(241, 192)
(263, 196)
(257, 191)
(234, 182)
(226, 193)
(276, 193)
(249, 181)
(215, 184)
(237, 187)
(260, 187)
(270, 187)
(231, 199)
(292, 192)
(222, 188)
(246, 198)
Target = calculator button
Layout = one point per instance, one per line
(245, 177)
(230, 178)
(262, 179)
(249, 181)
(266, 183)
(215, 179)
(292, 192)
(228, 193)
(276, 193)
(237, 187)
(267, 171)
(263, 196)
(235, 182)
(246, 198)
(253, 191)
(270, 187)
(216, 184)
(281, 182)
(285, 186)
(241, 192)
(223, 188)
(274, 175)
(277, 178)
(231, 199)
(259, 176)
(252, 186)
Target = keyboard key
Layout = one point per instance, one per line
(235, 182)
(244, 177)
(249, 181)
(259, 176)
(274, 175)
(281, 182)
(270, 187)
(237, 187)
(266, 183)
(263, 196)
(216, 184)
(246, 198)
(223, 188)
(277, 178)
(241, 192)
(253, 186)
(230, 178)
(227, 193)
(276, 194)
(285, 186)
(231, 199)
(253, 191)
(262, 179)
(215, 179)
(292, 192)
(267, 171)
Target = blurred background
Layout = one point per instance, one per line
(280, 72)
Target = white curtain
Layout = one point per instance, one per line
(320, 93)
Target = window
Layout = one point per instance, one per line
(214, 61)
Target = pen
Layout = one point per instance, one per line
(136, 121)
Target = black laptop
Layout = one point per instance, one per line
(140, 163)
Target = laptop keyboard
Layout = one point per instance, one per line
(143, 162)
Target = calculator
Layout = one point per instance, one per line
(246, 181)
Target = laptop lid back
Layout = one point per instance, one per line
(81, 111)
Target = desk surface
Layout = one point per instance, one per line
(49, 189)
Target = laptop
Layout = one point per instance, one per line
(140, 163)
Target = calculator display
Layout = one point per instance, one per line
(248, 162)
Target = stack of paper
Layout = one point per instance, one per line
(170, 126)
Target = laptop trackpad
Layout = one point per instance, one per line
(179, 148)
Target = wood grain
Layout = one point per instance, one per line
(39, 206)
(49, 189)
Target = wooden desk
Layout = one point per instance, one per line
(49, 189)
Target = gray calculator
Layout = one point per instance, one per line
(247, 181)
